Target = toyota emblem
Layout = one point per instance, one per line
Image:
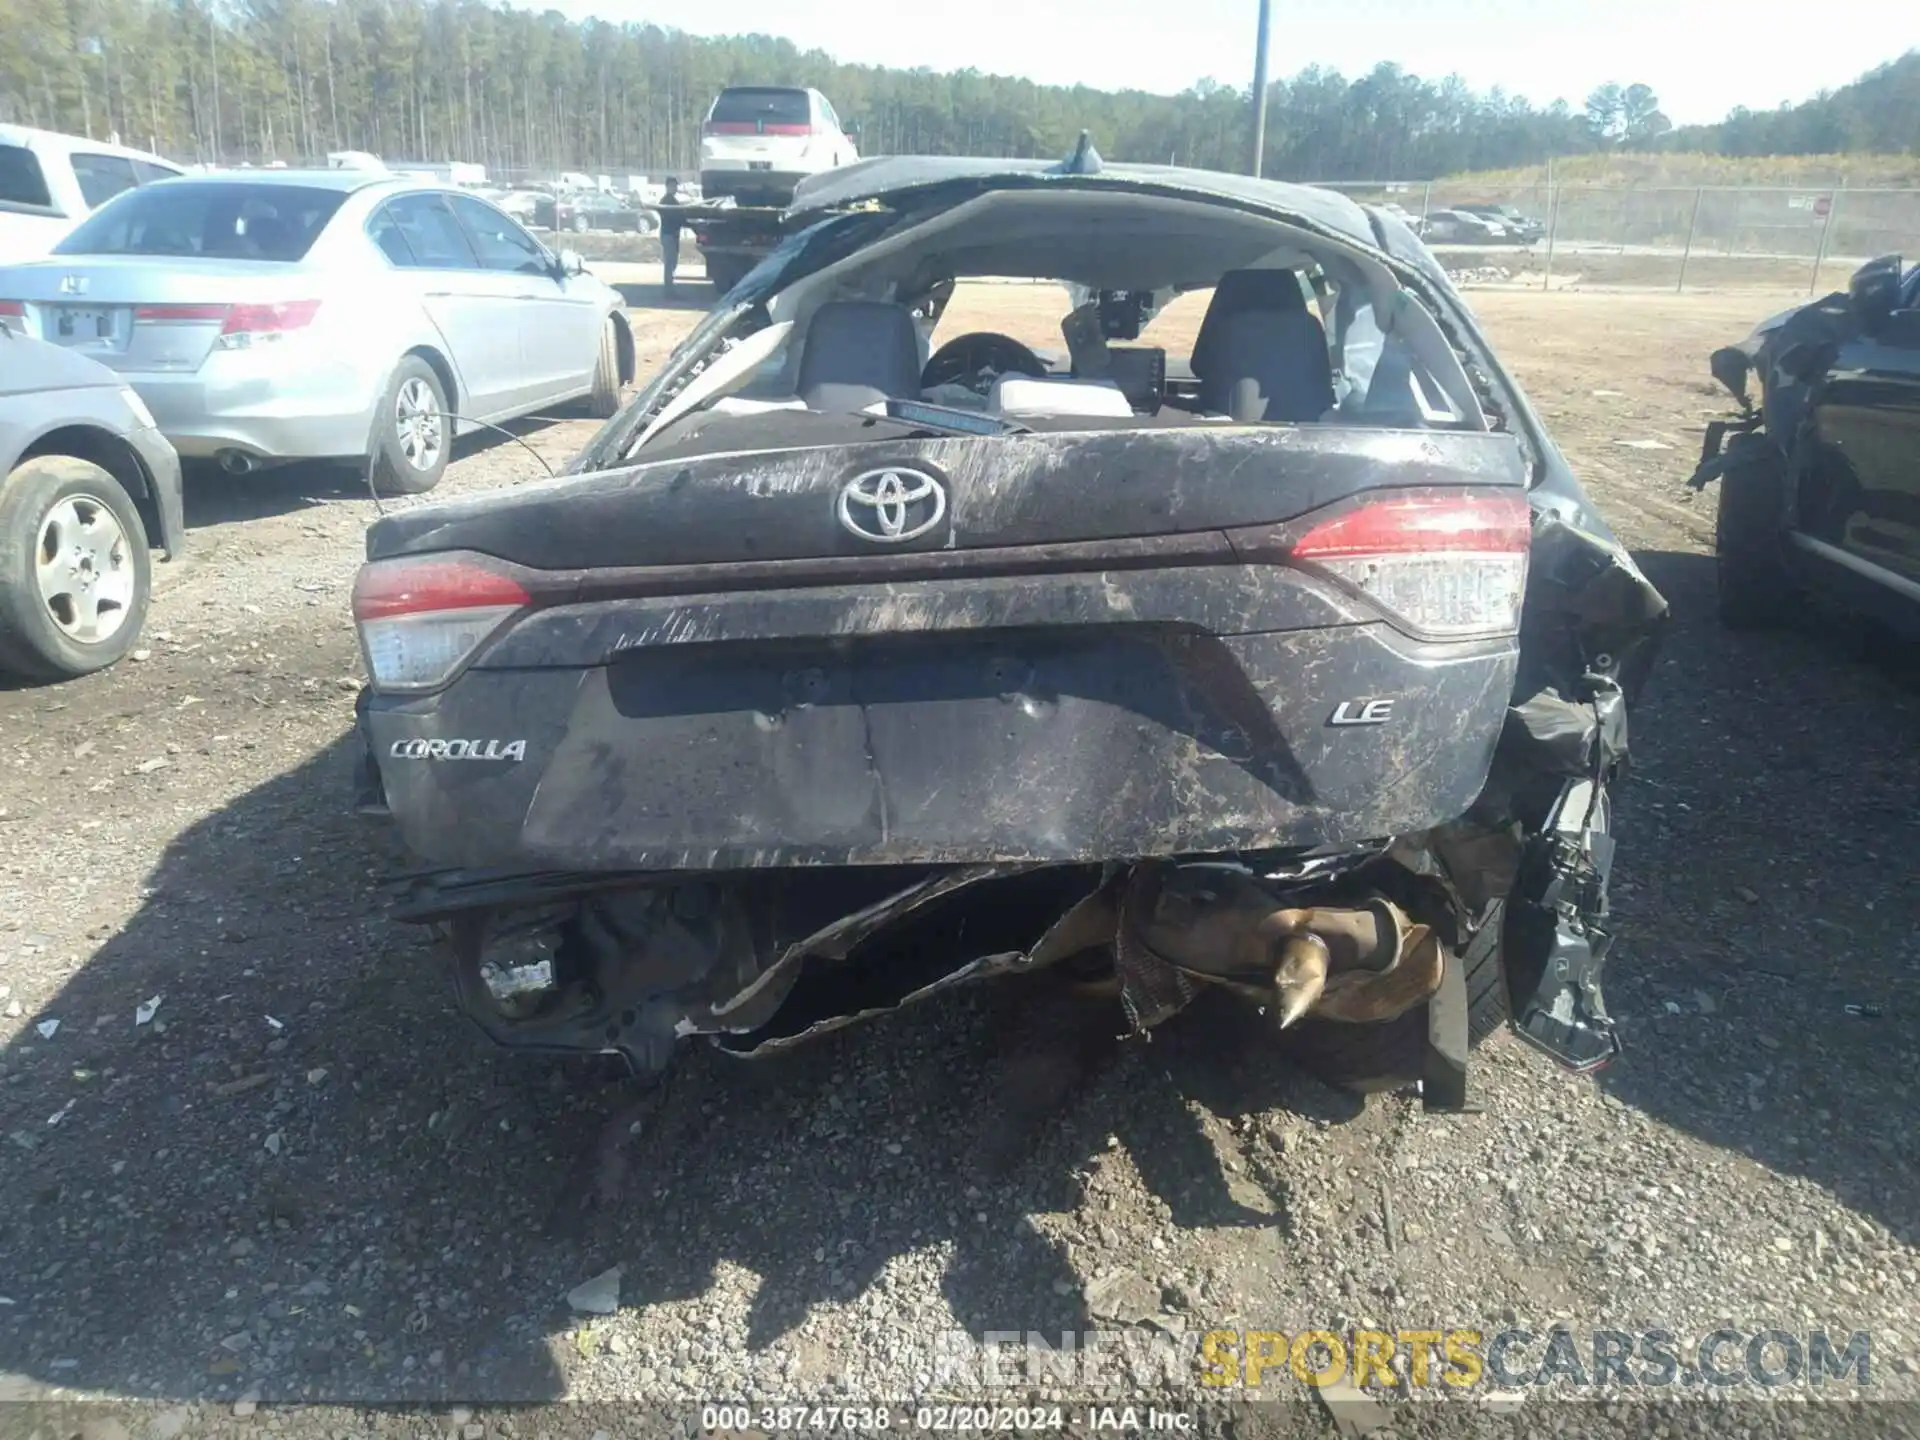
(892, 506)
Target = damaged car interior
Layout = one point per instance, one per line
(1296, 332)
(846, 667)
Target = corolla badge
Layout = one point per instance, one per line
(419, 749)
(891, 506)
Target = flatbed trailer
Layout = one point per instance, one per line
(732, 239)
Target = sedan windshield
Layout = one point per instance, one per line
(215, 220)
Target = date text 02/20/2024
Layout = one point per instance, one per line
(941, 1419)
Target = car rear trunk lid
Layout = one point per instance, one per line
(141, 314)
(833, 502)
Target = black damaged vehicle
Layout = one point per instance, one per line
(843, 667)
(1820, 478)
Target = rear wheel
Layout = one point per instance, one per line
(605, 400)
(1392, 1054)
(75, 574)
(413, 436)
(1754, 589)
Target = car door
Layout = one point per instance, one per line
(557, 319)
(1865, 499)
(473, 308)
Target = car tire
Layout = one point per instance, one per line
(410, 455)
(580, 224)
(604, 402)
(1391, 1054)
(100, 566)
(1753, 588)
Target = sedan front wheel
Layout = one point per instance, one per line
(604, 402)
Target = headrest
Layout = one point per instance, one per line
(859, 351)
(1239, 292)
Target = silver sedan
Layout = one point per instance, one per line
(267, 316)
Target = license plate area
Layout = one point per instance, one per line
(82, 325)
(759, 164)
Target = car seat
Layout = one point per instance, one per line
(858, 352)
(1261, 353)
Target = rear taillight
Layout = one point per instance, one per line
(1449, 564)
(421, 619)
(249, 325)
(13, 316)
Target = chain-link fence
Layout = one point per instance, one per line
(1706, 237)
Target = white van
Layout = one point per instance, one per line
(760, 141)
(50, 182)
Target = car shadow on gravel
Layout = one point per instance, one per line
(947, 1129)
(213, 497)
(305, 1175)
(1768, 899)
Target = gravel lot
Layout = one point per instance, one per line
(305, 1179)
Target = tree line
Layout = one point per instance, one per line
(261, 80)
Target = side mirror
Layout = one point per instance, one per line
(1730, 366)
(1874, 290)
(571, 263)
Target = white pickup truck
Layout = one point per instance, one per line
(50, 182)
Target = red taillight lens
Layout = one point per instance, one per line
(269, 319)
(13, 309)
(180, 314)
(1499, 524)
(1449, 564)
(386, 588)
(421, 620)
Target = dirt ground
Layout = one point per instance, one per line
(305, 1180)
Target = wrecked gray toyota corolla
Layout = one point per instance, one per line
(835, 673)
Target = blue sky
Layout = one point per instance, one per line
(1702, 57)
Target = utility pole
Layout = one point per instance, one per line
(213, 64)
(1260, 89)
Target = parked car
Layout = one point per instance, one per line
(49, 183)
(89, 493)
(585, 210)
(1462, 227)
(1520, 229)
(326, 314)
(1820, 480)
(760, 141)
(835, 673)
(522, 205)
